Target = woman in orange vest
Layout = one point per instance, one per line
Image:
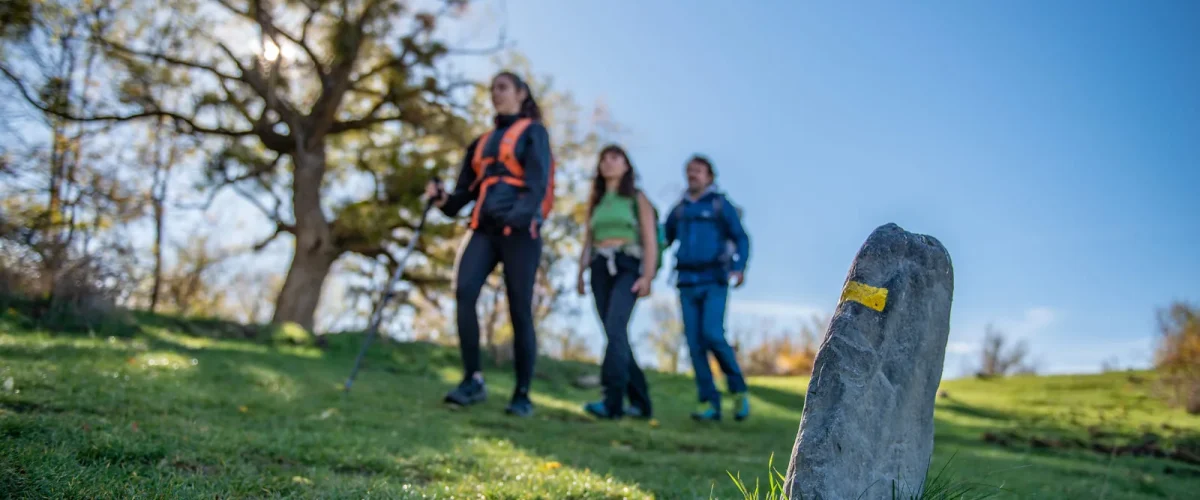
(508, 173)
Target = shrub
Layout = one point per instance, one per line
(1177, 356)
(289, 333)
(80, 293)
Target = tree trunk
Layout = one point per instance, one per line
(158, 261)
(315, 249)
(158, 199)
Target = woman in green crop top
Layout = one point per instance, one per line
(620, 248)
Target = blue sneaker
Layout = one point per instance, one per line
(470, 391)
(741, 406)
(520, 405)
(599, 410)
(707, 412)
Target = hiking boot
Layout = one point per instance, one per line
(520, 405)
(599, 410)
(468, 392)
(707, 412)
(741, 406)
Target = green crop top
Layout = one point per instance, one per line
(615, 217)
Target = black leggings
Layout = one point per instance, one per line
(520, 252)
(615, 299)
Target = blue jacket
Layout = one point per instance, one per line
(705, 229)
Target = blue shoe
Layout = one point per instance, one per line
(707, 412)
(520, 405)
(470, 391)
(637, 412)
(741, 406)
(599, 410)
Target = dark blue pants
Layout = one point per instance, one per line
(703, 308)
(520, 253)
(619, 373)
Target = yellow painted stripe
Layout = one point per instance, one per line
(867, 295)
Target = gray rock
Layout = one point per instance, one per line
(867, 423)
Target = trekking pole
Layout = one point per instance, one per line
(377, 314)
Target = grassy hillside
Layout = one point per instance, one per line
(175, 409)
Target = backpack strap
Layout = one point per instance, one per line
(478, 162)
(508, 156)
(508, 147)
(718, 208)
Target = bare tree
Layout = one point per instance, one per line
(666, 338)
(997, 358)
(65, 199)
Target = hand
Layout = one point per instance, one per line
(641, 287)
(580, 286)
(737, 278)
(433, 191)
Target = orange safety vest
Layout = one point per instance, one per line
(514, 175)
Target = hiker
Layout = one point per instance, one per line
(509, 174)
(620, 247)
(712, 253)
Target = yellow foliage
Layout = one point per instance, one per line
(1177, 357)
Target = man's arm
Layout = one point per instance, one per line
(671, 227)
(737, 232)
(462, 187)
(535, 159)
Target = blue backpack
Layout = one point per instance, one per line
(718, 208)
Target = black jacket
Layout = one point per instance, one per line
(506, 205)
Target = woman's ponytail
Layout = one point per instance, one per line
(529, 107)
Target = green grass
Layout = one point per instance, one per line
(174, 409)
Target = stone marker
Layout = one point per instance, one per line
(868, 416)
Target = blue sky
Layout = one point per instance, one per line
(1054, 148)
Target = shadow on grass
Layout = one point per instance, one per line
(793, 401)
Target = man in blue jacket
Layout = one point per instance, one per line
(712, 253)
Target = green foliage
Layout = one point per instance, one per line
(185, 409)
(16, 16)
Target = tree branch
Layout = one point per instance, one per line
(160, 57)
(404, 115)
(118, 118)
(263, 18)
(258, 82)
(279, 229)
(325, 108)
(273, 215)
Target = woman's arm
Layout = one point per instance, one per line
(649, 229)
(462, 194)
